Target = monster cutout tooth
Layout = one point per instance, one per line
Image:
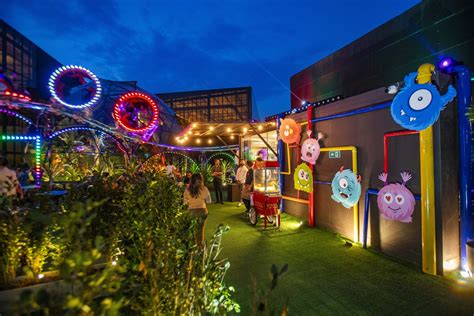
(412, 119)
(402, 112)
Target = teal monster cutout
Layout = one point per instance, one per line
(303, 178)
(346, 188)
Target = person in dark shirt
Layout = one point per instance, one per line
(217, 180)
(248, 186)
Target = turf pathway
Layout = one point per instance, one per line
(326, 276)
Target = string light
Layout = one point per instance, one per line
(88, 128)
(143, 97)
(245, 129)
(209, 141)
(37, 140)
(260, 127)
(20, 96)
(232, 136)
(211, 128)
(17, 115)
(229, 129)
(61, 71)
(198, 140)
(304, 107)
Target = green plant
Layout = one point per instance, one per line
(195, 168)
(262, 300)
(227, 169)
(94, 287)
(13, 242)
(168, 273)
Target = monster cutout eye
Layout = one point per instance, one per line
(301, 174)
(399, 199)
(388, 198)
(420, 99)
(343, 183)
(306, 176)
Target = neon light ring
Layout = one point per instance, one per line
(136, 112)
(75, 87)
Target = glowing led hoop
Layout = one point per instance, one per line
(143, 97)
(57, 74)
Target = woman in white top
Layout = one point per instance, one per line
(196, 196)
(240, 177)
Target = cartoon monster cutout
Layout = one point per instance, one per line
(395, 200)
(303, 178)
(346, 188)
(310, 149)
(418, 106)
(290, 131)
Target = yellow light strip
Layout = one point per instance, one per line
(288, 158)
(290, 198)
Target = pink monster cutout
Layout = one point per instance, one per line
(310, 149)
(395, 200)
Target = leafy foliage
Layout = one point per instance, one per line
(124, 244)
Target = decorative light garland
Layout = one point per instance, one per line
(136, 95)
(37, 139)
(177, 153)
(20, 96)
(17, 115)
(71, 68)
(304, 106)
(87, 128)
(217, 154)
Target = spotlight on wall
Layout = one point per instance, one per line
(392, 89)
(446, 62)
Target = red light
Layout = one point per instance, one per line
(138, 95)
(15, 94)
(7, 93)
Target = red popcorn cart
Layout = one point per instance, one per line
(266, 196)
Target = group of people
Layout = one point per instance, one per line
(197, 195)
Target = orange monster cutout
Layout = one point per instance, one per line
(290, 131)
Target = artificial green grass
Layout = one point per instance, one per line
(326, 276)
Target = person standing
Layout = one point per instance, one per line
(196, 196)
(9, 184)
(217, 180)
(248, 186)
(171, 170)
(240, 178)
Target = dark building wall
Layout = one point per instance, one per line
(217, 105)
(366, 132)
(31, 65)
(431, 29)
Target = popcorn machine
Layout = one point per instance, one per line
(266, 196)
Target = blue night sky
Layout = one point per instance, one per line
(191, 45)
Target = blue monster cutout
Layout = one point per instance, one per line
(346, 188)
(417, 106)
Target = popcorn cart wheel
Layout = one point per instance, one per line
(266, 198)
